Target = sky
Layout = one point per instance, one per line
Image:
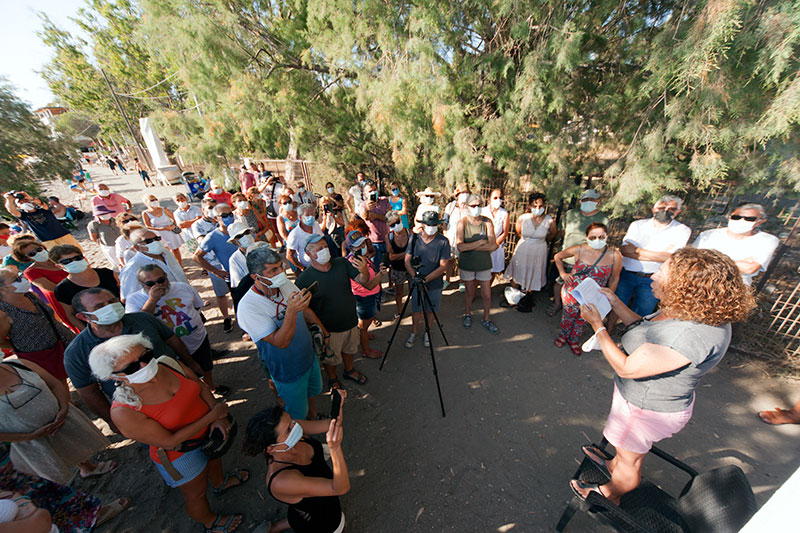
(23, 51)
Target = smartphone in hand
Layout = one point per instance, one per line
(336, 403)
(313, 288)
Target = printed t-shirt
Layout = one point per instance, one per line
(44, 224)
(333, 302)
(178, 310)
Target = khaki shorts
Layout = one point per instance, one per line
(343, 342)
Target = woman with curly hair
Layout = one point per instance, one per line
(662, 359)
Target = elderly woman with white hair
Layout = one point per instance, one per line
(296, 241)
(162, 405)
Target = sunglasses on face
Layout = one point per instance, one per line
(36, 251)
(160, 281)
(151, 239)
(670, 209)
(594, 237)
(69, 260)
(740, 217)
(134, 366)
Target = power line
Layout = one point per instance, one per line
(151, 87)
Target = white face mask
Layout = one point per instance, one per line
(427, 200)
(301, 190)
(105, 217)
(76, 267)
(27, 206)
(183, 205)
(589, 206)
(108, 314)
(155, 203)
(475, 211)
(331, 190)
(287, 207)
(40, 256)
(217, 190)
(155, 248)
(246, 240)
(275, 282)
(104, 192)
(397, 228)
(496, 203)
(323, 256)
(294, 437)
(144, 374)
(308, 220)
(462, 198)
(21, 286)
(243, 205)
(536, 211)
(740, 226)
(431, 230)
(597, 244)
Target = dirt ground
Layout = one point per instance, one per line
(518, 410)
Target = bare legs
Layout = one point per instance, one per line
(486, 296)
(177, 253)
(625, 469)
(222, 304)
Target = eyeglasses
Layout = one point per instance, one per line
(36, 251)
(69, 260)
(740, 217)
(476, 205)
(670, 209)
(134, 366)
(595, 237)
(160, 281)
(151, 239)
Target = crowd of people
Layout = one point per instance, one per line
(304, 276)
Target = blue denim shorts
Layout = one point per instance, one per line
(366, 306)
(190, 465)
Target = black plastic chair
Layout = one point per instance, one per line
(720, 500)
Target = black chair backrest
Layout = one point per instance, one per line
(719, 500)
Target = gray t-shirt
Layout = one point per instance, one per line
(431, 253)
(673, 391)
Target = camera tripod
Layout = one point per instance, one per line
(419, 286)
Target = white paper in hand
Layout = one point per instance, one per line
(591, 344)
(588, 292)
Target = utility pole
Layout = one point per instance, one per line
(124, 116)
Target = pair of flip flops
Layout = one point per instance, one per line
(599, 458)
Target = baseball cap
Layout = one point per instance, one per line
(355, 239)
(590, 194)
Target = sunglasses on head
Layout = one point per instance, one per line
(160, 281)
(36, 251)
(594, 237)
(69, 260)
(740, 217)
(151, 239)
(134, 366)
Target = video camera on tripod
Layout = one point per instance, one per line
(416, 264)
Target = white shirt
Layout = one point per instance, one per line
(306, 197)
(237, 267)
(201, 228)
(272, 197)
(183, 216)
(178, 310)
(455, 213)
(296, 240)
(258, 315)
(358, 197)
(124, 248)
(644, 234)
(129, 283)
(498, 219)
(760, 247)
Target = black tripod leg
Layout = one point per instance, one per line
(425, 304)
(396, 327)
(435, 316)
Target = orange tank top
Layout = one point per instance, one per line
(185, 407)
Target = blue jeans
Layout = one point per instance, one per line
(635, 292)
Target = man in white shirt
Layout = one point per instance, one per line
(647, 244)
(355, 196)
(242, 236)
(176, 305)
(296, 240)
(275, 313)
(750, 249)
(149, 250)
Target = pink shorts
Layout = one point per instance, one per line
(634, 429)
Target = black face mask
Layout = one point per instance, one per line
(663, 216)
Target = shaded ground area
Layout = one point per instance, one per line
(517, 411)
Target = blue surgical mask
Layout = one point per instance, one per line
(308, 220)
(294, 437)
(395, 192)
(227, 220)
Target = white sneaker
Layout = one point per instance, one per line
(411, 340)
(427, 340)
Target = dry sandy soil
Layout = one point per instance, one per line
(518, 409)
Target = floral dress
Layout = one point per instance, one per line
(571, 322)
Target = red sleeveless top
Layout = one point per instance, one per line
(185, 407)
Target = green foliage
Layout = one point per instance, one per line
(654, 95)
(27, 150)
